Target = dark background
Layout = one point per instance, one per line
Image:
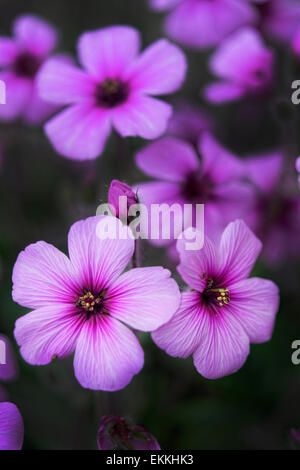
(42, 194)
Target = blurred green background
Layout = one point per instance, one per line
(42, 194)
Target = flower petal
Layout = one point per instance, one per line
(264, 170)
(48, 332)
(144, 298)
(79, 132)
(161, 5)
(239, 249)
(107, 354)
(107, 52)
(61, 82)
(11, 427)
(224, 347)
(38, 110)
(169, 158)
(35, 34)
(181, 335)
(254, 303)
(142, 116)
(196, 265)
(98, 262)
(159, 70)
(9, 367)
(222, 92)
(8, 51)
(18, 93)
(43, 275)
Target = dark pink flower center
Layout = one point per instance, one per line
(196, 188)
(91, 303)
(212, 294)
(26, 65)
(111, 92)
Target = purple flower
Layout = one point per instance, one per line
(275, 216)
(11, 427)
(204, 23)
(298, 169)
(8, 370)
(183, 178)
(117, 189)
(81, 303)
(279, 18)
(113, 90)
(117, 433)
(244, 65)
(20, 59)
(224, 310)
(188, 122)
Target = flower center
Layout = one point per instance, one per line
(26, 65)
(217, 295)
(111, 92)
(196, 188)
(90, 303)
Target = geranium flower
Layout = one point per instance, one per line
(204, 23)
(224, 310)
(11, 427)
(214, 179)
(113, 90)
(80, 303)
(20, 60)
(117, 433)
(245, 66)
(275, 215)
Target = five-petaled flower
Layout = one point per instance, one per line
(113, 90)
(20, 60)
(80, 303)
(223, 311)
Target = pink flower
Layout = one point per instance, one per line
(204, 23)
(11, 427)
(20, 59)
(114, 89)
(188, 122)
(224, 310)
(275, 216)
(117, 433)
(244, 65)
(117, 189)
(81, 303)
(214, 180)
(279, 18)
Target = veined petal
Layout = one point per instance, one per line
(11, 427)
(79, 132)
(107, 354)
(224, 347)
(181, 336)
(142, 116)
(159, 70)
(254, 303)
(35, 34)
(43, 275)
(239, 249)
(169, 158)
(61, 82)
(106, 53)
(144, 298)
(99, 261)
(48, 332)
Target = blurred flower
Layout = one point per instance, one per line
(81, 303)
(224, 311)
(11, 427)
(188, 122)
(275, 217)
(245, 66)
(113, 90)
(20, 59)
(116, 433)
(9, 370)
(298, 169)
(205, 23)
(116, 190)
(215, 180)
(279, 18)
